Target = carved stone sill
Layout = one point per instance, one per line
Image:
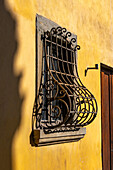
(39, 138)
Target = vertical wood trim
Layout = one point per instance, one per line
(111, 118)
(105, 120)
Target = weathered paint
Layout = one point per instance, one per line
(92, 21)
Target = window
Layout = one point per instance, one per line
(63, 105)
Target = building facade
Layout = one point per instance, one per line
(92, 22)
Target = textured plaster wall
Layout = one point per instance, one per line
(92, 21)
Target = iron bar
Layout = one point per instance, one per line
(65, 101)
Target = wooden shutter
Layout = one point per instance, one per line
(107, 118)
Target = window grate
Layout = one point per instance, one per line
(63, 102)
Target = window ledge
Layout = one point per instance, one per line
(39, 138)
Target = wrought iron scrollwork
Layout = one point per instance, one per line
(63, 102)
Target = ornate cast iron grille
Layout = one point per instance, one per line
(63, 102)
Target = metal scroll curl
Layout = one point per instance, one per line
(62, 101)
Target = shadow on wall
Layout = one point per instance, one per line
(10, 101)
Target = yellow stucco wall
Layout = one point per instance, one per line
(92, 22)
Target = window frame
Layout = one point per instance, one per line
(39, 137)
